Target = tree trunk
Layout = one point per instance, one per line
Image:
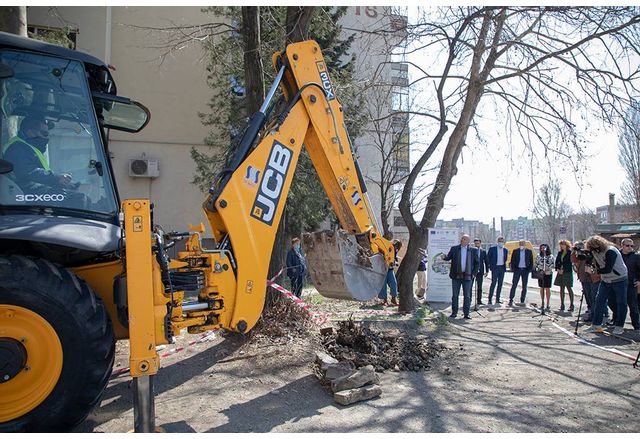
(435, 202)
(298, 21)
(13, 19)
(278, 260)
(253, 68)
(384, 219)
(408, 267)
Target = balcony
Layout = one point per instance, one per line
(398, 24)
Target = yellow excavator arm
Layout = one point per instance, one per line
(244, 209)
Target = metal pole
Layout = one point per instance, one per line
(272, 91)
(144, 416)
(573, 230)
(579, 311)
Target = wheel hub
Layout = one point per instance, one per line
(33, 368)
(13, 358)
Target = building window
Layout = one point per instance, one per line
(401, 152)
(398, 221)
(400, 101)
(400, 74)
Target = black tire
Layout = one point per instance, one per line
(80, 320)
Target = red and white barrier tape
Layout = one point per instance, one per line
(207, 336)
(277, 275)
(318, 318)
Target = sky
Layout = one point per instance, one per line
(490, 183)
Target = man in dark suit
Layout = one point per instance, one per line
(521, 265)
(464, 266)
(483, 269)
(497, 257)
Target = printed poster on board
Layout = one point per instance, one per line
(438, 281)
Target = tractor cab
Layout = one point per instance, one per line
(57, 190)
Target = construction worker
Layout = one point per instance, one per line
(26, 151)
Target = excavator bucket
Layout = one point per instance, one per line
(342, 269)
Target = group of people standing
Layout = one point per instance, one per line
(469, 264)
(608, 276)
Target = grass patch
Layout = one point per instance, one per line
(315, 299)
(442, 320)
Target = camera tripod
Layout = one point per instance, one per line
(579, 311)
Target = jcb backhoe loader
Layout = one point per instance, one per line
(80, 269)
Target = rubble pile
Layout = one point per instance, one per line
(282, 317)
(348, 383)
(362, 346)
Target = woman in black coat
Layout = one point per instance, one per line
(564, 268)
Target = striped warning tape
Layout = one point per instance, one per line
(317, 317)
(207, 336)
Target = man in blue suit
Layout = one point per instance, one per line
(521, 265)
(497, 257)
(464, 266)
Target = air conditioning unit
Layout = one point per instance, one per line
(144, 168)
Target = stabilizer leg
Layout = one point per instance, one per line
(144, 417)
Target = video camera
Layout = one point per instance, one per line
(584, 255)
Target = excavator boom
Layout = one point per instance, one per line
(246, 205)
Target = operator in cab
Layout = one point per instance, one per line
(26, 151)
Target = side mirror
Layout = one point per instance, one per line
(6, 71)
(120, 113)
(5, 166)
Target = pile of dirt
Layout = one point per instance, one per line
(282, 318)
(352, 342)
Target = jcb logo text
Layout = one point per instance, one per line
(268, 196)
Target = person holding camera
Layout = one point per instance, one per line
(593, 283)
(632, 261)
(544, 265)
(564, 276)
(613, 272)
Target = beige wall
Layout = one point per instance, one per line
(173, 87)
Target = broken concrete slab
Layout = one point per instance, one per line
(364, 375)
(346, 397)
(324, 360)
(335, 371)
